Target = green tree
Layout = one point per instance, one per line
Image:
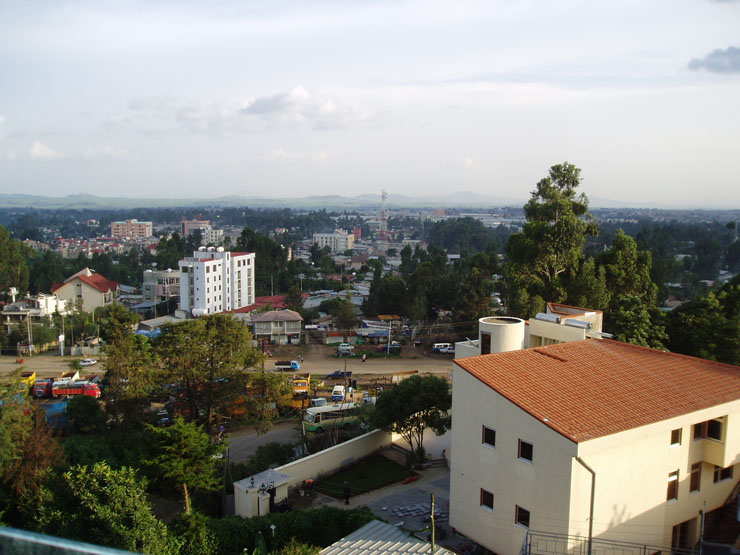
(13, 267)
(107, 507)
(412, 406)
(294, 298)
(184, 454)
(475, 298)
(197, 352)
(345, 318)
(265, 392)
(87, 413)
(547, 253)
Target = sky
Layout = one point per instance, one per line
(421, 98)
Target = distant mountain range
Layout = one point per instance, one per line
(462, 199)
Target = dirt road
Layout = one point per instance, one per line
(317, 359)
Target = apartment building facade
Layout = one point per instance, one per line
(214, 280)
(130, 228)
(339, 241)
(630, 440)
(160, 285)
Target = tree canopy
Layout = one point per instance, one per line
(412, 406)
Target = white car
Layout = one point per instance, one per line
(449, 350)
(88, 362)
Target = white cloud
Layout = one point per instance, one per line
(298, 107)
(40, 151)
(281, 155)
(2, 119)
(11, 154)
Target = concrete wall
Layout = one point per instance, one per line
(434, 445)
(541, 486)
(332, 459)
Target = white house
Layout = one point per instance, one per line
(88, 288)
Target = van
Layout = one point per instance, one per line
(345, 349)
(337, 395)
(318, 402)
(438, 347)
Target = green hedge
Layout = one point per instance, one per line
(319, 527)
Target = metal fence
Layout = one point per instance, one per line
(541, 543)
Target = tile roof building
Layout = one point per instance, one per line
(279, 327)
(91, 289)
(660, 432)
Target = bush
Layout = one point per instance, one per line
(315, 527)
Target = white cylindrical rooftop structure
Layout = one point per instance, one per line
(501, 333)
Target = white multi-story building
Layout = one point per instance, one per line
(215, 280)
(339, 241)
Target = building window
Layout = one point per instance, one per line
(711, 429)
(526, 451)
(486, 499)
(722, 473)
(695, 483)
(489, 437)
(522, 516)
(676, 437)
(672, 486)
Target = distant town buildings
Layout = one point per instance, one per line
(339, 241)
(130, 228)
(207, 233)
(214, 280)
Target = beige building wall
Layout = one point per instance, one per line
(91, 297)
(632, 470)
(542, 486)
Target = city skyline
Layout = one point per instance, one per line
(275, 100)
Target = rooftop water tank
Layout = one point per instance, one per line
(497, 334)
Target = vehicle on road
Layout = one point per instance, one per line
(345, 349)
(448, 350)
(318, 419)
(437, 347)
(337, 394)
(394, 347)
(339, 375)
(88, 362)
(287, 365)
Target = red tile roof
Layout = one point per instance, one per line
(96, 280)
(593, 388)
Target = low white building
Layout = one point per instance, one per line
(214, 280)
(36, 308)
(339, 241)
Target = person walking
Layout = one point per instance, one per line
(347, 493)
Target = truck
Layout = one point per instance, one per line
(301, 384)
(73, 389)
(287, 365)
(42, 388)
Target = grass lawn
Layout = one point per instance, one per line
(367, 475)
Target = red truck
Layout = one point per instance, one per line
(73, 389)
(42, 388)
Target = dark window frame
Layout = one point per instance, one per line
(672, 490)
(722, 474)
(522, 517)
(528, 450)
(695, 481)
(484, 494)
(486, 440)
(676, 436)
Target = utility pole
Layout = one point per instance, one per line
(701, 538)
(432, 518)
(388, 349)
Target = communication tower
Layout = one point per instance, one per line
(383, 233)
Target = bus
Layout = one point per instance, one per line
(318, 419)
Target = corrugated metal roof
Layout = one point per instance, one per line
(380, 538)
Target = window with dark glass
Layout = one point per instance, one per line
(676, 437)
(486, 499)
(695, 483)
(672, 486)
(722, 473)
(526, 451)
(489, 437)
(522, 516)
(711, 429)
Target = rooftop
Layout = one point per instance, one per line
(593, 388)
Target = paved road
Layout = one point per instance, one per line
(244, 442)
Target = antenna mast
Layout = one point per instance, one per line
(383, 234)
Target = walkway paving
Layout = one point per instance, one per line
(408, 506)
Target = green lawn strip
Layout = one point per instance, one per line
(367, 475)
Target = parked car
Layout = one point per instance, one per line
(345, 349)
(88, 362)
(437, 348)
(395, 347)
(449, 350)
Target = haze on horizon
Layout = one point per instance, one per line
(290, 99)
